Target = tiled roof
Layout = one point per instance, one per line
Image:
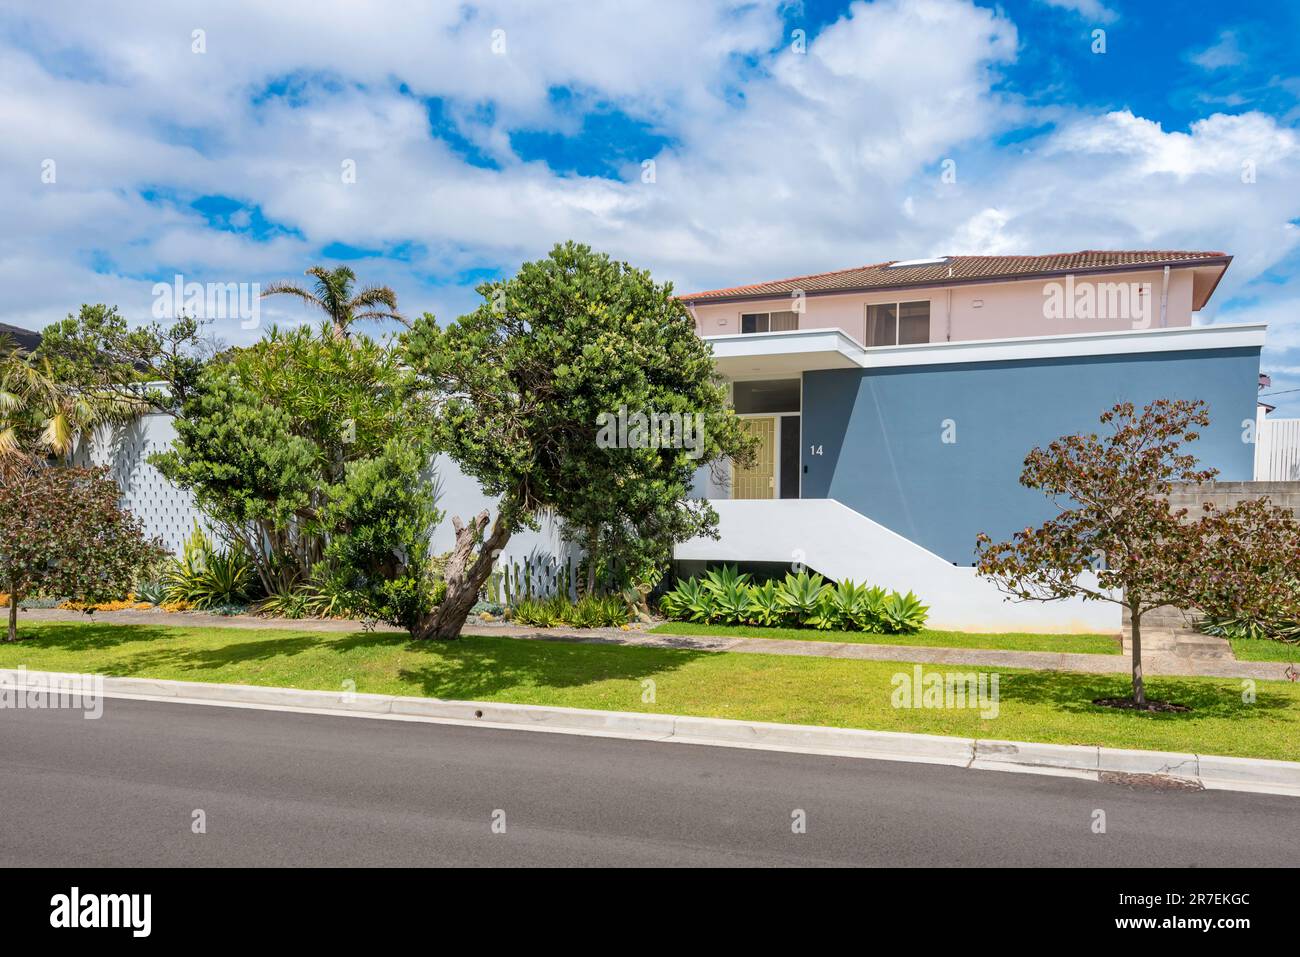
(948, 269)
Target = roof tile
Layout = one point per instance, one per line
(957, 269)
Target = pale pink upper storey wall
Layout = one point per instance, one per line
(995, 310)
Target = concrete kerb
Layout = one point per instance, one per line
(1212, 772)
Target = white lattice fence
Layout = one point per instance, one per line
(163, 509)
(1277, 450)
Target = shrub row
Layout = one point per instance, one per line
(726, 596)
(588, 612)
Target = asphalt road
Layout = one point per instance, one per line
(293, 789)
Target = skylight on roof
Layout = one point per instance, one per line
(918, 262)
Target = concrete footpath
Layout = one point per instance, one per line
(637, 636)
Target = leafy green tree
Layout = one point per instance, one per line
(520, 386)
(381, 519)
(62, 532)
(332, 294)
(151, 368)
(266, 434)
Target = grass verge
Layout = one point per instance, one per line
(1043, 706)
(1263, 649)
(1007, 641)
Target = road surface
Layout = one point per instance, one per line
(276, 788)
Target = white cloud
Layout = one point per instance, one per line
(1223, 52)
(1093, 10)
(780, 163)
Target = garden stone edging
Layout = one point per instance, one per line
(1209, 771)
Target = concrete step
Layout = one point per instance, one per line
(1195, 645)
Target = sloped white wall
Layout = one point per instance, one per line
(833, 539)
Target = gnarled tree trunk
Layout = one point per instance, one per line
(464, 581)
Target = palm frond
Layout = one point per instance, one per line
(376, 316)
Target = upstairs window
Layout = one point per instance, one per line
(769, 321)
(898, 323)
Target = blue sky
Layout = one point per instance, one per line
(693, 137)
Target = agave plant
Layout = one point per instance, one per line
(837, 606)
(903, 614)
(868, 610)
(802, 595)
(731, 603)
(689, 601)
(765, 606)
(725, 578)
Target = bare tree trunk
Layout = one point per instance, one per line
(13, 613)
(464, 581)
(1139, 690)
(593, 540)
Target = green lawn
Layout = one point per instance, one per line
(1034, 706)
(1007, 641)
(1263, 649)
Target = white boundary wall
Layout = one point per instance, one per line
(169, 513)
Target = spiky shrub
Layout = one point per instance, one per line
(729, 590)
(205, 575)
(765, 608)
(903, 614)
(801, 595)
(690, 600)
(531, 611)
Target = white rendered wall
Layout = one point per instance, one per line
(831, 538)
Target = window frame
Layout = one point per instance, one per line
(898, 305)
(740, 321)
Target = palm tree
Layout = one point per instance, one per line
(332, 294)
(39, 413)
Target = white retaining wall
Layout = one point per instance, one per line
(833, 539)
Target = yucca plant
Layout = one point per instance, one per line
(204, 576)
(802, 595)
(588, 612)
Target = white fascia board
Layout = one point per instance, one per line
(794, 342)
(1127, 342)
(808, 342)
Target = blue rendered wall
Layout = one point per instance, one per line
(880, 433)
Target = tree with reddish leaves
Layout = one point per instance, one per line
(1249, 568)
(63, 533)
(1117, 538)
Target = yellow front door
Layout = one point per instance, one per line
(759, 479)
